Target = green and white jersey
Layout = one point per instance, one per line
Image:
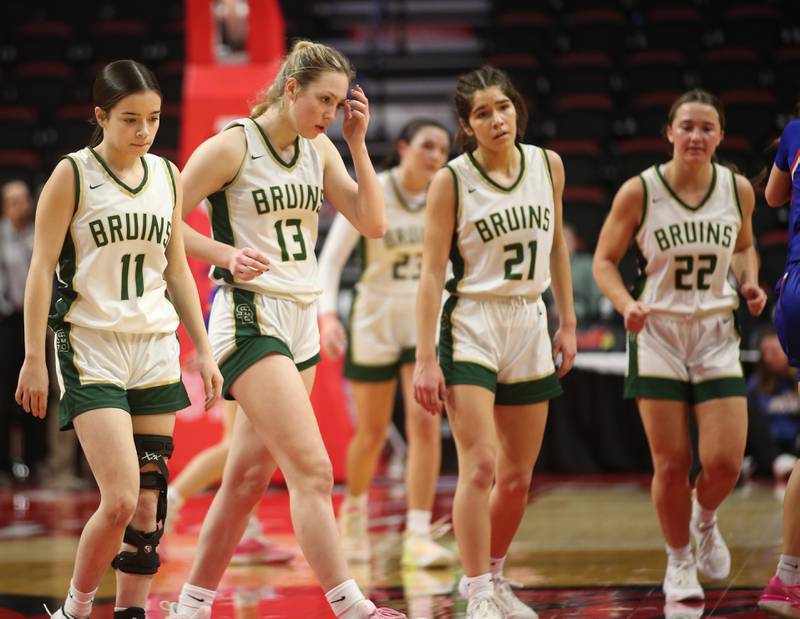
(685, 251)
(391, 265)
(273, 206)
(111, 268)
(503, 235)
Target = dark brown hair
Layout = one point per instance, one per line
(305, 63)
(407, 133)
(480, 79)
(696, 95)
(116, 81)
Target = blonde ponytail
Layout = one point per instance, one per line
(305, 63)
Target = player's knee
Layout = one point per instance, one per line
(118, 508)
(672, 467)
(153, 451)
(146, 506)
(372, 435)
(480, 468)
(722, 466)
(249, 486)
(314, 476)
(514, 483)
(427, 429)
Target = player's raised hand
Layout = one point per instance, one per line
(356, 117)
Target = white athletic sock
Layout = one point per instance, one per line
(78, 603)
(471, 586)
(497, 566)
(679, 555)
(702, 516)
(789, 569)
(193, 597)
(356, 502)
(343, 596)
(418, 522)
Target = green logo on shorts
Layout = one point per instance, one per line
(244, 314)
(62, 341)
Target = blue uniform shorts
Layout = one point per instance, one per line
(787, 313)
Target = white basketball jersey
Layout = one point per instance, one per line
(685, 251)
(111, 268)
(273, 206)
(503, 235)
(391, 265)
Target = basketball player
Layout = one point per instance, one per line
(691, 221)
(782, 594)
(109, 217)
(380, 347)
(265, 177)
(496, 211)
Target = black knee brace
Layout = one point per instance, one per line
(151, 449)
(134, 612)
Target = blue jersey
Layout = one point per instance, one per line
(787, 307)
(788, 160)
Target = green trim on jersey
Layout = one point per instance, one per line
(235, 178)
(736, 194)
(399, 194)
(274, 154)
(710, 191)
(222, 229)
(361, 258)
(645, 200)
(130, 190)
(715, 388)
(641, 267)
(549, 171)
(529, 391)
(456, 259)
(494, 184)
(168, 165)
(67, 261)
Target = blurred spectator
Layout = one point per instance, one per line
(773, 407)
(232, 24)
(16, 247)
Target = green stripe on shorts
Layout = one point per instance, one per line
(377, 373)
(85, 398)
(654, 387)
(248, 352)
(466, 373)
(714, 388)
(446, 336)
(529, 391)
(161, 399)
(308, 363)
